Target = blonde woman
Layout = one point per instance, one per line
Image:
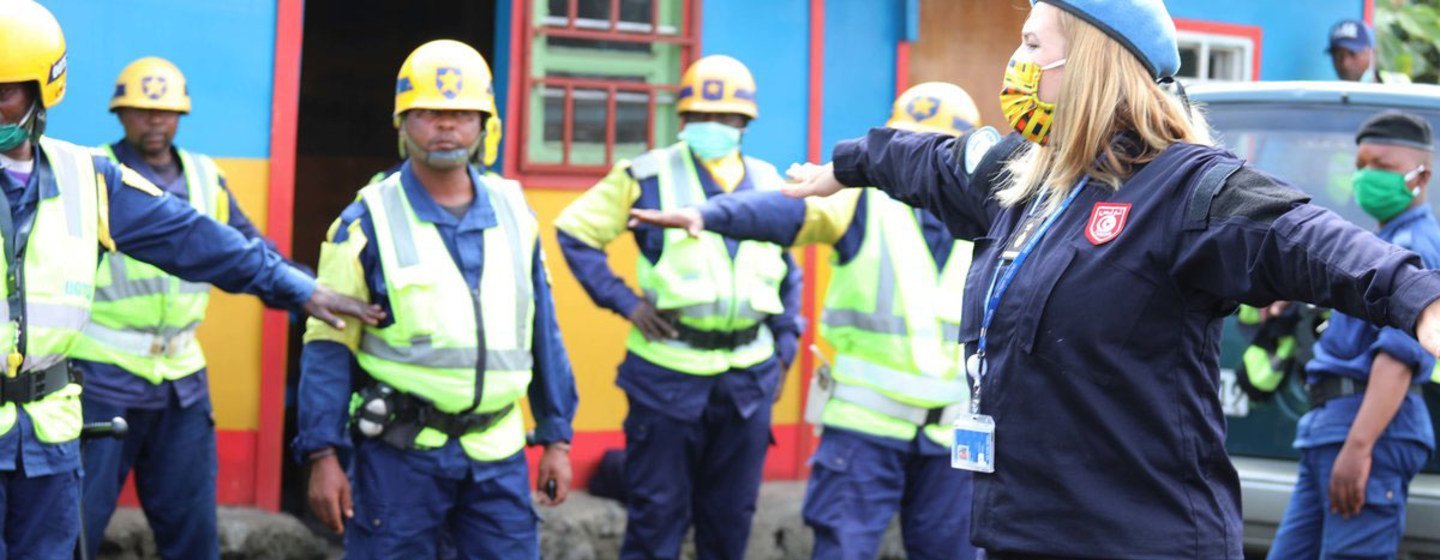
(1110, 241)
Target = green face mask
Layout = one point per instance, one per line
(12, 135)
(1384, 194)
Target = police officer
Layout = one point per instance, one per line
(1352, 53)
(456, 259)
(1110, 242)
(62, 205)
(714, 325)
(1369, 432)
(897, 376)
(139, 354)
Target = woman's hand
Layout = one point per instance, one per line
(808, 179)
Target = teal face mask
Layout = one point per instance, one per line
(1384, 194)
(711, 140)
(12, 135)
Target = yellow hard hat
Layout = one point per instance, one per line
(493, 131)
(151, 83)
(935, 107)
(32, 49)
(718, 84)
(444, 75)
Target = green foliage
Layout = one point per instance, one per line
(1408, 36)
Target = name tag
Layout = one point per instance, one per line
(974, 447)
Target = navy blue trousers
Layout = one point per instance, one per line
(41, 515)
(706, 472)
(172, 451)
(857, 486)
(403, 512)
(1310, 530)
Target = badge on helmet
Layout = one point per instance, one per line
(151, 83)
(935, 107)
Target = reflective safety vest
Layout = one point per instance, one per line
(144, 319)
(696, 278)
(432, 350)
(894, 319)
(58, 279)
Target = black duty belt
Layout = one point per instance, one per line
(715, 340)
(1333, 387)
(456, 425)
(404, 416)
(31, 386)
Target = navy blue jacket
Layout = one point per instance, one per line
(1348, 347)
(166, 232)
(1103, 359)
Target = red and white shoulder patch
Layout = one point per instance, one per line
(1107, 220)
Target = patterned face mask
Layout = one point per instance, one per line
(1020, 100)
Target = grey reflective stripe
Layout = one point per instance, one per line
(56, 316)
(132, 289)
(4, 310)
(950, 332)
(644, 166)
(169, 341)
(421, 353)
(38, 362)
(208, 184)
(505, 213)
(194, 287)
(899, 382)
(878, 402)
(678, 159)
(871, 322)
(717, 309)
(392, 197)
(64, 165)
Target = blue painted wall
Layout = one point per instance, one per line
(1296, 32)
(225, 48)
(776, 48)
(860, 38)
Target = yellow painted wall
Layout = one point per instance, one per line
(231, 331)
(595, 337)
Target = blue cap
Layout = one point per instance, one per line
(1351, 35)
(1143, 26)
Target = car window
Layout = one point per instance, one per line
(1311, 146)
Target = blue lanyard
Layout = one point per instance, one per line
(1000, 283)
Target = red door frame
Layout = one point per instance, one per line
(275, 334)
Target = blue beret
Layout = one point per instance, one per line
(1143, 26)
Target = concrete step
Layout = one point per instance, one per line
(584, 528)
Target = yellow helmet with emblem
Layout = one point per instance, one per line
(32, 49)
(151, 83)
(935, 107)
(493, 131)
(718, 84)
(444, 75)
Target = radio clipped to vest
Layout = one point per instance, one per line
(822, 387)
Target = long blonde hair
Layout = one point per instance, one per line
(1106, 92)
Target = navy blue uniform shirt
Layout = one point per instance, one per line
(1103, 357)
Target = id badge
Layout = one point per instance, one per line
(974, 447)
